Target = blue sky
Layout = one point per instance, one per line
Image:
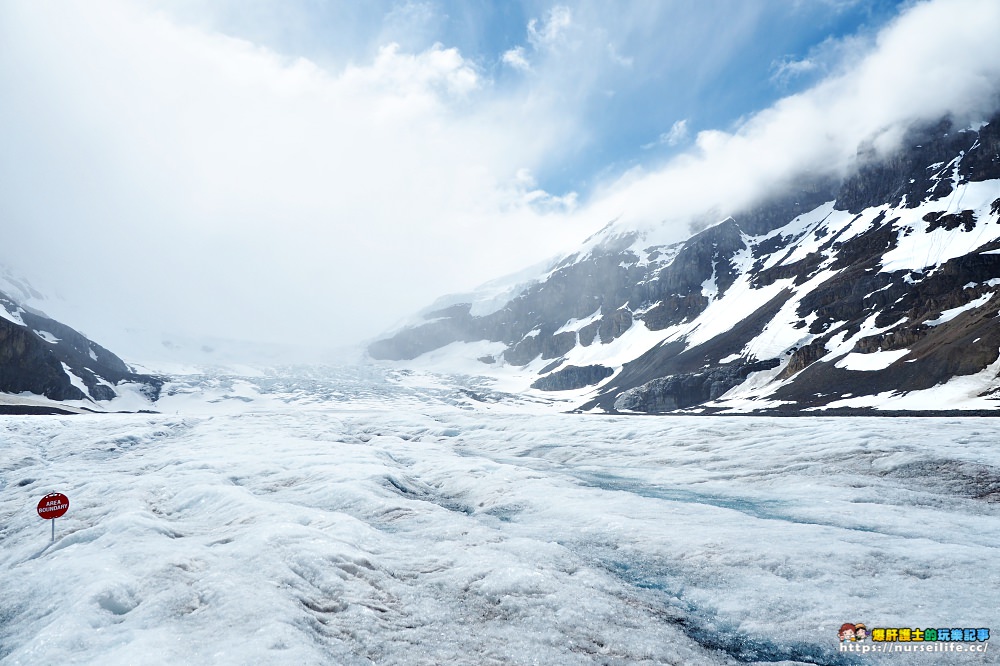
(704, 63)
(263, 169)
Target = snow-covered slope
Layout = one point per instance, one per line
(46, 365)
(872, 292)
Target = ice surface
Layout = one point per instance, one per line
(366, 517)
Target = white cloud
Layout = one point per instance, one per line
(517, 59)
(551, 31)
(168, 174)
(398, 74)
(525, 192)
(212, 185)
(829, 56)
(924, 65)
(678, 132)
(407, 18)
(789, 69)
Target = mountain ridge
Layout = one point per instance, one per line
(42, 357)
(872, 260)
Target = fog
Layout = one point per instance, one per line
(164, 177)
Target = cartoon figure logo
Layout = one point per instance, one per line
(846, 633)
(860, 632)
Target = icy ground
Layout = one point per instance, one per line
(356, 518)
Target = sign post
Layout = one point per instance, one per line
(51, 507)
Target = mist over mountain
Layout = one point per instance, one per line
(870, 291)
(48, 367)
(210, 169)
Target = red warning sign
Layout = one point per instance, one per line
(53, 505)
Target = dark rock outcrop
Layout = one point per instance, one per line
(573, 377)
(802, 358)
(906, 173)
(688, 389)
(43, 357)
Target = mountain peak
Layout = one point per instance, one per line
(43, 357)
(863, 292)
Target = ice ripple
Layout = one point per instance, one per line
(347, 520)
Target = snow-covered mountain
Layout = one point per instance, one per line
(48, 366)
(871, 291)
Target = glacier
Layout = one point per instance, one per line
(368, 515)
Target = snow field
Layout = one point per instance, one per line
(384, 533)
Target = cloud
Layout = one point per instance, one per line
(828, 57)
(180, 179)
(551, 32)
(914, 70)
(408, 19)
(426, 74)
(788, 69)
(517, 59)
(678, 132)
(525, 191)
(174, 177)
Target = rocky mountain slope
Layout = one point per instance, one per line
(43, 357)
(875, 291)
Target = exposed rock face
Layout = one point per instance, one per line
(802, 358)
(908, 174)
(686, 389)
(42, 356)
(573, 377)
(881, 283)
